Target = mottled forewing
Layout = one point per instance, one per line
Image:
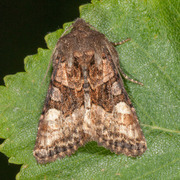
(114, 123)
(60, 130)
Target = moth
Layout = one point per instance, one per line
(86, 99)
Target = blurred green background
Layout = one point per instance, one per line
(23, 26)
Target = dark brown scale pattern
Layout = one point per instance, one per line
(71, 100)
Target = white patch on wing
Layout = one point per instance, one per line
(52, 115)
(56, 94)
(131, 134)
(136, 135)
(49, 141)
(61, 75)
(122, 108)
(123, 129)
(115, 89)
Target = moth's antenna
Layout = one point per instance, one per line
(92, 27)
(120, 71)
(53, 55)
(66, 30)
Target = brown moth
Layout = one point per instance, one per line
(86, 99)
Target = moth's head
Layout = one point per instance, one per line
(80, 24)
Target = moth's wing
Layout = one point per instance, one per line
(114, 123)
(60, 126)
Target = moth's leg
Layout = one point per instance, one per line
(121, 71)
(121, 42)
(126, 77)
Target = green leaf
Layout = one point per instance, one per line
(150, 57)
